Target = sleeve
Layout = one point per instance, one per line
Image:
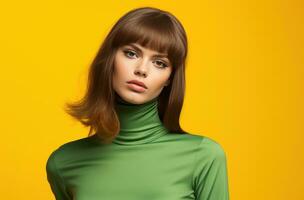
(55, 180)
(210, 178)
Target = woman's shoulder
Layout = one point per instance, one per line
(203, 143)
(68, 149)
(210, 149)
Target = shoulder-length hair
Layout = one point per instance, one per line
(150, 27)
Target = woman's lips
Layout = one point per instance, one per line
(136, 87)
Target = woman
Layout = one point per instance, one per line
(133, 103)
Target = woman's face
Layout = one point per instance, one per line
(134, 62)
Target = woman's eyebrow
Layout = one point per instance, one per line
(139, 49)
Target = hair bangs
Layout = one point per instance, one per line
(155, 34)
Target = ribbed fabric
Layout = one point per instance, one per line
(144, 162)
(139, 123)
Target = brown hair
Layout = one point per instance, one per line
(152, 28)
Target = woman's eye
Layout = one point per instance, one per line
(129, 53)
(161, 63)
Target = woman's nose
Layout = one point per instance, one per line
(142, 68)
(140, 72)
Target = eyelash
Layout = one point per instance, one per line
(128, 51)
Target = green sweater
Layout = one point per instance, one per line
(144, 162)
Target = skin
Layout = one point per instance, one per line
(140, 64)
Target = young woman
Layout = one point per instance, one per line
(132, 105)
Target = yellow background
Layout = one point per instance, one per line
(244, 86)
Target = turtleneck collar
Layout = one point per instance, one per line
(139, 123)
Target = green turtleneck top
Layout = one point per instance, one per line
(144, 162)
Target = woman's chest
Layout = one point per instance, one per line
(132, 177)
